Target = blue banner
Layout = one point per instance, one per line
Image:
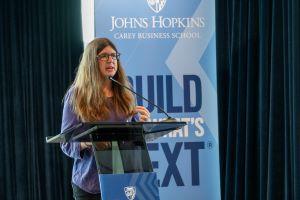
(169, 53)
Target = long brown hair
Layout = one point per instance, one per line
(88, 99)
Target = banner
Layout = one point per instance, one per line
(169, 53)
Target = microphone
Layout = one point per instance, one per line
(169, 118)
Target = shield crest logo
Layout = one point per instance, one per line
(130, 192)
(156, 5)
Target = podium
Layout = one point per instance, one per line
(123, 163)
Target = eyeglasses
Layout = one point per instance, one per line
(105, 56)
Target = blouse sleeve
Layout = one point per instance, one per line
(69, 119)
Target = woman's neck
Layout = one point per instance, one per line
(107, 88)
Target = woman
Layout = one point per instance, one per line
(94, 98)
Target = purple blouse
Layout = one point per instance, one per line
(84, 173)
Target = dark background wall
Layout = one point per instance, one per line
(258, 69)
(258, 73)
(40, 46)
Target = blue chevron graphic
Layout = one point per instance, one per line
(145, 185)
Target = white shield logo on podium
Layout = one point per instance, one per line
(156, 5)
(130, 192)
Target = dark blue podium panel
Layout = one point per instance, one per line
(130, 186)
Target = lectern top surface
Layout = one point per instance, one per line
(150, 130)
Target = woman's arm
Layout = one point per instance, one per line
(70, 119)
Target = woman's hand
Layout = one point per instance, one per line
(144, 113)
(103, 145)
(85, 145)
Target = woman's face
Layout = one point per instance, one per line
(107, 61)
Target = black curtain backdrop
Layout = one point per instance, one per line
(40, 46)
(258, 69)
